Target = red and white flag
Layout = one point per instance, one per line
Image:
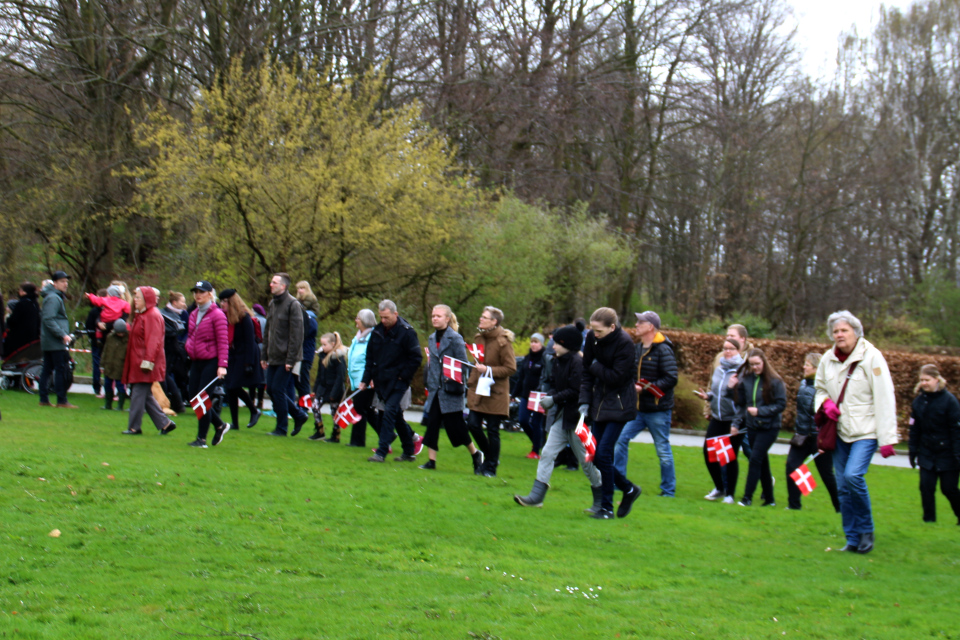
(586, 437)
(725, 452)
(346, 414)
(533, 402)
(804, 479)
(201, 404)
(476, 350)
(306, 401)
(711, 449)
(453, 369)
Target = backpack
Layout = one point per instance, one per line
(257, 331)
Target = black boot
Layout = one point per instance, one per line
(597, 499)
(477, 461)
(535, 499)
(317, 434)
(121, 399)
(108, 404)
(866, 543)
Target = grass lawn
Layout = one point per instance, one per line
(286, 538)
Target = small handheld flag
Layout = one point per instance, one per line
(306, 401)
(804, 479)
(711, 449)
(645, 385)
(586, 437)
(346, 414)
(452, 369)
(201, 404)
(476, 351)
(725, 452)
(533, 402)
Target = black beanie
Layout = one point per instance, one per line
(568, 337)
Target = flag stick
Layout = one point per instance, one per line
(810, 458)
(204, 389)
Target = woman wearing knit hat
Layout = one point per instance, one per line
(566, 374)
(530, 369)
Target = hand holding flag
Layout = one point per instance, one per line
(586, 437)
(346, 414)
(533, 402)
(645, 385)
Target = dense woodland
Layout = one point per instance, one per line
(547, 156)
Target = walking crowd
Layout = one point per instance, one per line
(583, 392)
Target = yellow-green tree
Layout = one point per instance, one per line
(279, 170)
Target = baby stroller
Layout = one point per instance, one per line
(23, 367)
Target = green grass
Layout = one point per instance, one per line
(286, 538)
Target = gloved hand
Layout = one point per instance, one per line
(831, 409)
(584, 409)
(887, 450)
(546, 402)
(913, 460)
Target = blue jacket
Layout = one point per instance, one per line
(310, 328)
(357, 358)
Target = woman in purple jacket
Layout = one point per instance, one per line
(208, 349)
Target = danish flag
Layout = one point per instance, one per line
(586, 437)
(306, 401)
(452, 369)
(804, 479)
(476, 350)
(346, 414)
(201, 403)
(725, 452)
(711, 450)
(533, 402)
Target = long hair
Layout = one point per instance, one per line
(451, 316)
(337, 346)
(768, 375)
(236, 309)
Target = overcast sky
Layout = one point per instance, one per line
(822, 21)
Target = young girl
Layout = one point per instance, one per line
(112, 362)
(807, 431)
(330, 386)
(760, 397)
(935, 442)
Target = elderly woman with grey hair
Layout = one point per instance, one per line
(854, 388)
(365, 321)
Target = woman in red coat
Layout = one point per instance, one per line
(145, 363)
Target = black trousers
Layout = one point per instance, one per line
(725, 477)
(363, 402)
(55, 364)
(928, 492)
(201, 373)
(488, 442)
(760, 443)
(234, 396)
(452, 422)
(824, 463)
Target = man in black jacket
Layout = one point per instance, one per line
(393, 357)
(656, 378)
(282, 353)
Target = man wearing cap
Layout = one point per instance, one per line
(54, 340)
(282, 353)
(656, 378)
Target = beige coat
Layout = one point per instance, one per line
(869, 408)
(498, 355)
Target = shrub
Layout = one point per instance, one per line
(688, 408)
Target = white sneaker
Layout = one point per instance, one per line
(728, 500)
(713, 495)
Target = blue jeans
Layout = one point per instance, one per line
(281, 390)
(607, 434)
(392, 423)
(851, 461)
(658, 422)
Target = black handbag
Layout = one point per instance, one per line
(798, 440)
(453, 387)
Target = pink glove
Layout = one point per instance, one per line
(887, 450)
(831, 409)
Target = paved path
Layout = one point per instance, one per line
(413, 417)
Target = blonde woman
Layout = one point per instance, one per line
(307, 298)
(935, 442)
(331, 385)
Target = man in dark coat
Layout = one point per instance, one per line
(54, 340)
(282, 353)
(393, 357)
(656, 377)
(23, 325)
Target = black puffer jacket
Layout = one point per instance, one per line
(805, 426)
(566, 375)
(392, 357)
(659, 366)
(330, 385)
(609, 377)
(935, 431)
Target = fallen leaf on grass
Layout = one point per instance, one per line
(106, 464)
(110, 477)
(55, 533)
(42, 479)
(73, 493)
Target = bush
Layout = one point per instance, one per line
(688, 408)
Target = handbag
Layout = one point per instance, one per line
(799, 440)
(485, 383)
(453, 387)
(827, 437)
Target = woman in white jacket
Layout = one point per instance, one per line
(866, 419)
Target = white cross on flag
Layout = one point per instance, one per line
(725, 452)
(533, 402)
(201, 403)
(804, 479)
(452, 369)
(306, 401)
(586, 437)
(346, 414)
(711, 449)
(476, 350)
